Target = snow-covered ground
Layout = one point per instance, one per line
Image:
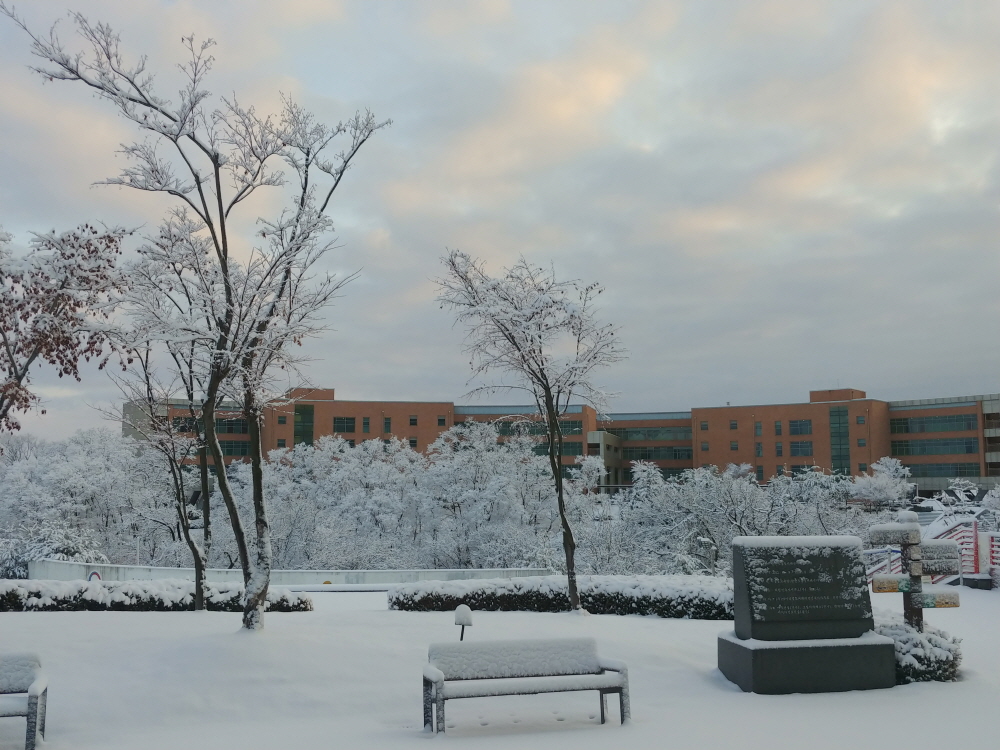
(348, 676)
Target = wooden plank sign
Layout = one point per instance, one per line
(890, 584)
(894, 534)
(941, 557)
(940, 599)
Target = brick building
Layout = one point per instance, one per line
(838, 430)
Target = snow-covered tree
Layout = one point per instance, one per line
(55, 302)
(243, 305)
(542, 332)
(886, 486)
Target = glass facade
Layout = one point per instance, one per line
(840, 442)
(940, 446)
(236, 426)
(303, 431)
(947, 423)
(657, 453)
(943, 470)
(650, 433)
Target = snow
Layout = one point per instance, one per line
(348, 675)
(755, 644)
(513, 657)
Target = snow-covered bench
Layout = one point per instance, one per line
(519, 667)
(23, 692)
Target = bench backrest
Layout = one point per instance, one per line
(17, 672)
(477, 660)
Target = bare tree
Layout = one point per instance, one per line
(55, 303)
(242, 308)
(544, 333)
(147, 413)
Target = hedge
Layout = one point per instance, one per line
(19, 595)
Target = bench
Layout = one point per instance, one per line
(518, 667)
(24, 692)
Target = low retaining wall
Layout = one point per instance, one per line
(57, 570)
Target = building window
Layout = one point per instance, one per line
(760, 473)
(734, 445)
(281, 442)
(413, 420)
(413, 443)
(366, 424)
(704, 445)
(862, 442)
(862, 468)
(779, 449)
(733, 424)
(282, 419)
(235, 447)
(351, 442)
(860, 420)
(441, 421)
(940, 446)
(800, 427)
(779, 471)
(801, 448)
(758, 429)
(233, 426)
(947, 423)
(758, 450)
(801, 468)
(386, 424)
(704, 426)
(777, 427)
(343, 424)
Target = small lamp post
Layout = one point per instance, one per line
(463, 617)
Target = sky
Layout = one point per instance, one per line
(777, 196)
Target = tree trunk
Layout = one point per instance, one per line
(206, 544)
(257, 584)
(555, 463)
(212, 441)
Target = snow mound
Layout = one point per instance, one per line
(931, 656)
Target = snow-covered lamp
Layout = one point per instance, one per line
(463, 617)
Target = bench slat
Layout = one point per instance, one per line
(530, 685)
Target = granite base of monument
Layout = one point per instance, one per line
(816, 666)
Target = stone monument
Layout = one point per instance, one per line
(803, 618)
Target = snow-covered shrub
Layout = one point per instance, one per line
(693, 597)
(933, 655)
(171, 595)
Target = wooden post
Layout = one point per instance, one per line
(913, 600)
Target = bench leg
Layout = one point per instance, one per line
(439, 719)
(428, 708)
(32, 717)
(43, 703)
(624, 704)
(604, 706)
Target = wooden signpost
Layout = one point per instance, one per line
(919, 558)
